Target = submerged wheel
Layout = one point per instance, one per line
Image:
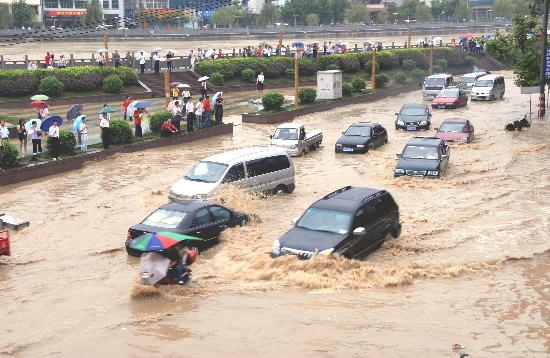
(303, 152)
(280, 190)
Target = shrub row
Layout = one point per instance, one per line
(26, 82)
(274, 67)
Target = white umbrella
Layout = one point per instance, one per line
(184, 85)
(28, 125)
(215, 97)
(437, 40)
(153, 267)
(203, 78)
(102, 50)
(140, 53)
(131, 108)
(209, 53)
(156, 49)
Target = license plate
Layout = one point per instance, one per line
(441, 106)
(411, 128)
(348, 149)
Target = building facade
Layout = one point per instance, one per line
(481, 9)
(69, 13)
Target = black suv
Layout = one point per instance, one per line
(413, 117)
(423, 157)
(360, 137)
(349, 222)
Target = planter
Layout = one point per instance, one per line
(17, 175)
(285, 116)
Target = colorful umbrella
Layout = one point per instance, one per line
(156, 49)
(72, 113)
(468, 36)
(131, 108)
(39, 104)
(28, 125)
(106, 110)
(78, 121)
(40, 97)
(48, 122)
(215, 97)
(159, 241)
(143, 104)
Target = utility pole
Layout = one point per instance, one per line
(431, 59)
(373, 78)
(542, 74)
(280, 40)
(296, 78)
(167, 87)
(106, 46)
(409, 32)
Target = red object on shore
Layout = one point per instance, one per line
(39, 104)
(192, 257)
(4, 242)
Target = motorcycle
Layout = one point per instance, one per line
(155, 269)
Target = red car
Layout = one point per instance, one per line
(450, 98)
(455, 130)
(4, 242)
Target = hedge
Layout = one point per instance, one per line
(8, 159)
(121, 132)
(358, 84)
(347, 89)
(400, 77)
(84, 78)
(156, 120)
(274, 67)
(307, 95)
(67, 142)
(217, 78)
(381, 80)
(248, 75)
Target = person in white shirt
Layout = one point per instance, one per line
(53, 132)
(190, 111)
(142, 62)
(104, 124)
(198, 113)
(260, 83)
(156, 61)
(83, 135)
(4, 132)
(176, 115)
(36, 137)
(186, 95)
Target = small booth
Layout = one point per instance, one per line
(329, 84)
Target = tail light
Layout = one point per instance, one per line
(129, 237)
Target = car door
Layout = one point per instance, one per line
(443, 150)
(371, 220)
(383, 135)
(222, 219)
(463, 99)
(235, 176)
(203, 227)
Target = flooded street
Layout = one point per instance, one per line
(472, 265)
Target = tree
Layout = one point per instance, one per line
(312, 19)
(324, 11)
(357, 13)
(94, 13)
(382, 17)
(6, 18)
(521, 7)
(232, 15)
(22, 13)
(338, 8)
(298, 9)
(415, 9)
(269, 14)
(461, 11)
(503, 8)
(423, 13)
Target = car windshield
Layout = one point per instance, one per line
(286, 133)
(167, 219)
(448, 94)
(453, 127)
(334, 221)
(420, 152)
(413, 111)
(469, 79)
(358, 131)
(484, 83)
(208, 172)
(434, 82)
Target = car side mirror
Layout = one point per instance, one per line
(360, 231)
(398, 155)
(294, 221)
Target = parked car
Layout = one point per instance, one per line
(361, 137)
(450, 98)
(349, 222)
(488, 88)
(413, 117)
(455, 130)
(467, 81)
(435, 83)
(423, 157)
(199, 218)
(294, 138)
(263, 169)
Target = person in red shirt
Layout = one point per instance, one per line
(167, 129)
(125, 105)
(206, 111)
(138, 114)
(47, 59)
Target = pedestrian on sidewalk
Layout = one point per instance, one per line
(36, 138)
(53, 132)
(83, 135)
(169, 57)
(156, 61)
(260, 83)
(198, 113)
(4, 132)
(219, 109)
(204, 89)
(186, 96)
(207, 111)
(142, 62)
(22, 134)
(175, 93)
(125, 105)
(190, 111)
(104, 124)
(116, 58)
(138, 115)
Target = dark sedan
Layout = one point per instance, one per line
(199, 218)
(423, 157)
(360, 137)
(413, 117)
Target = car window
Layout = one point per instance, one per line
(267, 165)
(235, 173)
(168, 219)
(365, 216)
(220, 214)
(385, 205)
(202, 218)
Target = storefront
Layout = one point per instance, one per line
(64, 18)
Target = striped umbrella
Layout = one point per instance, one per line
(159, 241)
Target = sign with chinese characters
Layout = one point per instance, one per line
(547, 64)
(67, 12)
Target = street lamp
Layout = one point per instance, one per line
(443, 15)
(295, 16)
(489, 14)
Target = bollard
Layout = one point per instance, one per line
(71, 59)
(392, 44)
(233, 52)
(240, 52)
(355, 47)
(1, 62)
(26, 61)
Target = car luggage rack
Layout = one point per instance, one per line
(339, 191)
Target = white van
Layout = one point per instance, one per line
(467, 81)
(488, 88)
(435, 83)
(262, 169)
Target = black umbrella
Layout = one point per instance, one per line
(74, 112)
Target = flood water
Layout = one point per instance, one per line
(471, 266)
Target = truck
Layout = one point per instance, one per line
(294, 138)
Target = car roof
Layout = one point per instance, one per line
(346, 198)
(243, 154)
(454, 120)
(426, 141)
(440, 75)
(187, 206)
(364, 124)
(489, 77)
(290, 125)
(475, 74)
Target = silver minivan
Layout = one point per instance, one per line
(436, 83)
(488, 88)
(262, 169)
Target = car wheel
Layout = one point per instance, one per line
(280, 190)
(303, 152)
(243, 222)
(386, 140)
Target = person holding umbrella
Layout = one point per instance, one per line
(36, 138)
(156, 61)
(219, 109)
(190, 111)
(206, 111)
(175, 93)
(138, 116)
(83, 135)
(53, 132)
(42, 111)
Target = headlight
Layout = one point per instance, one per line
(338, 144)
(360, 146)
(423, 123)
(433, 172)
(199, 196)
(399, 171)
(326, 252)
(400, 123)
(276, 248)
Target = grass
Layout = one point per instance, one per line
(69, 94)
(10, 120)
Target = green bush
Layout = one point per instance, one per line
(437, 69)
(121, 132)
(248, 75)
(217, 79)
(290, 73)
(381, 80)
(409, 65)
(156, 120)
(333, 67)
(113, 84)
(347, 89)
(8, 159)
(400, 77)
(273, 101)
(441, 62)
(67, 142)
(349, 63)
(418, 75)
(368, 66)
(51, 86)
(469, 61)
(358, 84)
(307, 95)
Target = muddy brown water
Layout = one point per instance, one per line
(471, 266)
